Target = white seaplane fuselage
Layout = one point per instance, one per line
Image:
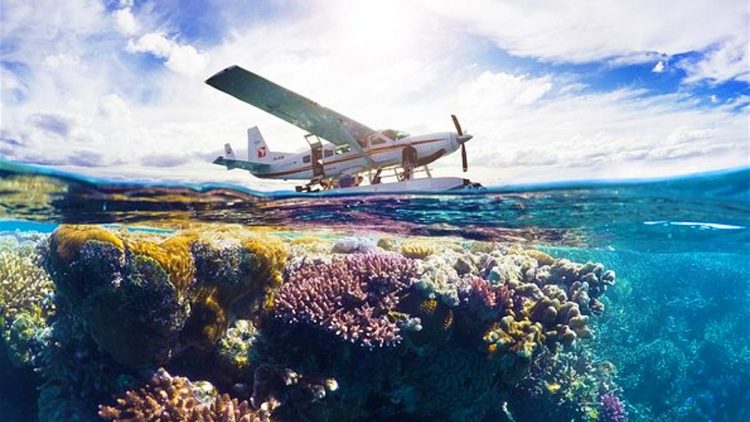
(343, 160)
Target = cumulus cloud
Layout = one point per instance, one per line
(723, 62)
(659, 67)
(125, 21)
(112, 106)
(184, 58)
(423, 65)
(587, 30)
(56, 61)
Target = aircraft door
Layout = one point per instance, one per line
(316, 155)
(317, 160)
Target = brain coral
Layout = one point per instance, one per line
(353, 297)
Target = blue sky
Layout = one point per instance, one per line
(550, 90)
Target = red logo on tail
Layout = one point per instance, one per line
(262, 152)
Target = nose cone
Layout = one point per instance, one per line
(463, 138)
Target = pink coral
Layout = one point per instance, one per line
(482, 298)
(352, 297)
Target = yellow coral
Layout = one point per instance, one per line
(428, 306)
(173, 255)
(270, 257)
(553, 387)
(212, 301)
(417, 250)
(520, 337)
(67, 240)
(541, 257)
(305, 240)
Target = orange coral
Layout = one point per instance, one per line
(173, 255)
(67, 240)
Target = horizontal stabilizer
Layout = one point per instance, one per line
(240, 164)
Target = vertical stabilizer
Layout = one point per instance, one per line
(228, 153)
(257, 150)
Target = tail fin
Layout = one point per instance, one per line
(257, 150)
(228, 153)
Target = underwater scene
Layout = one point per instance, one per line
(590, 301)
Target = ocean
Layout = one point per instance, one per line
(590, 300)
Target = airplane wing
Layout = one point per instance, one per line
(291, 107)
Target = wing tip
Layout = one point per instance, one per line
(218, 74)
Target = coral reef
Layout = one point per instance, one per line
(289, 324)
(26, 297)
(348, 245)
(612, 409)
(354, 298)
(139, 298)
(168, 398)
(417, 250)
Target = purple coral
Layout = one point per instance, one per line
(482, 298)
(612, 409)
(352, 297)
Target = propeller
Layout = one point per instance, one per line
(462, 139)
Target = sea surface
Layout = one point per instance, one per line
(675, 330)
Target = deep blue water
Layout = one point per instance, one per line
(676, 326)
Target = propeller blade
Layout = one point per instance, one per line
(457, 125)
(464, 160)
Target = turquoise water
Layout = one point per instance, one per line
(676, 325)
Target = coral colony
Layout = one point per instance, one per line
(228, 324)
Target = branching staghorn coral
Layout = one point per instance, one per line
(26, 299)
(352, 297)
(168, 398)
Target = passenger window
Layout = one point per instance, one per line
(306, 159)
(327, 153)
(377, 141)
(343, 149)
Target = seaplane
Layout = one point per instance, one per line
(354, 158)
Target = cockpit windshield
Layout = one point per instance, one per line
(394, 134)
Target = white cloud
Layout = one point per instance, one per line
(112, 106)
(659, 67)
(565, 133)
(184, 59)
(411, 76)
(56, 61)
(729, 60)
(125, 21)
(588, 30)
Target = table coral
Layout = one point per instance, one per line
(352, 297)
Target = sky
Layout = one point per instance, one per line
(551, 90)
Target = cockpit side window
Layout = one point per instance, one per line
(343, 149)
(394, 134)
